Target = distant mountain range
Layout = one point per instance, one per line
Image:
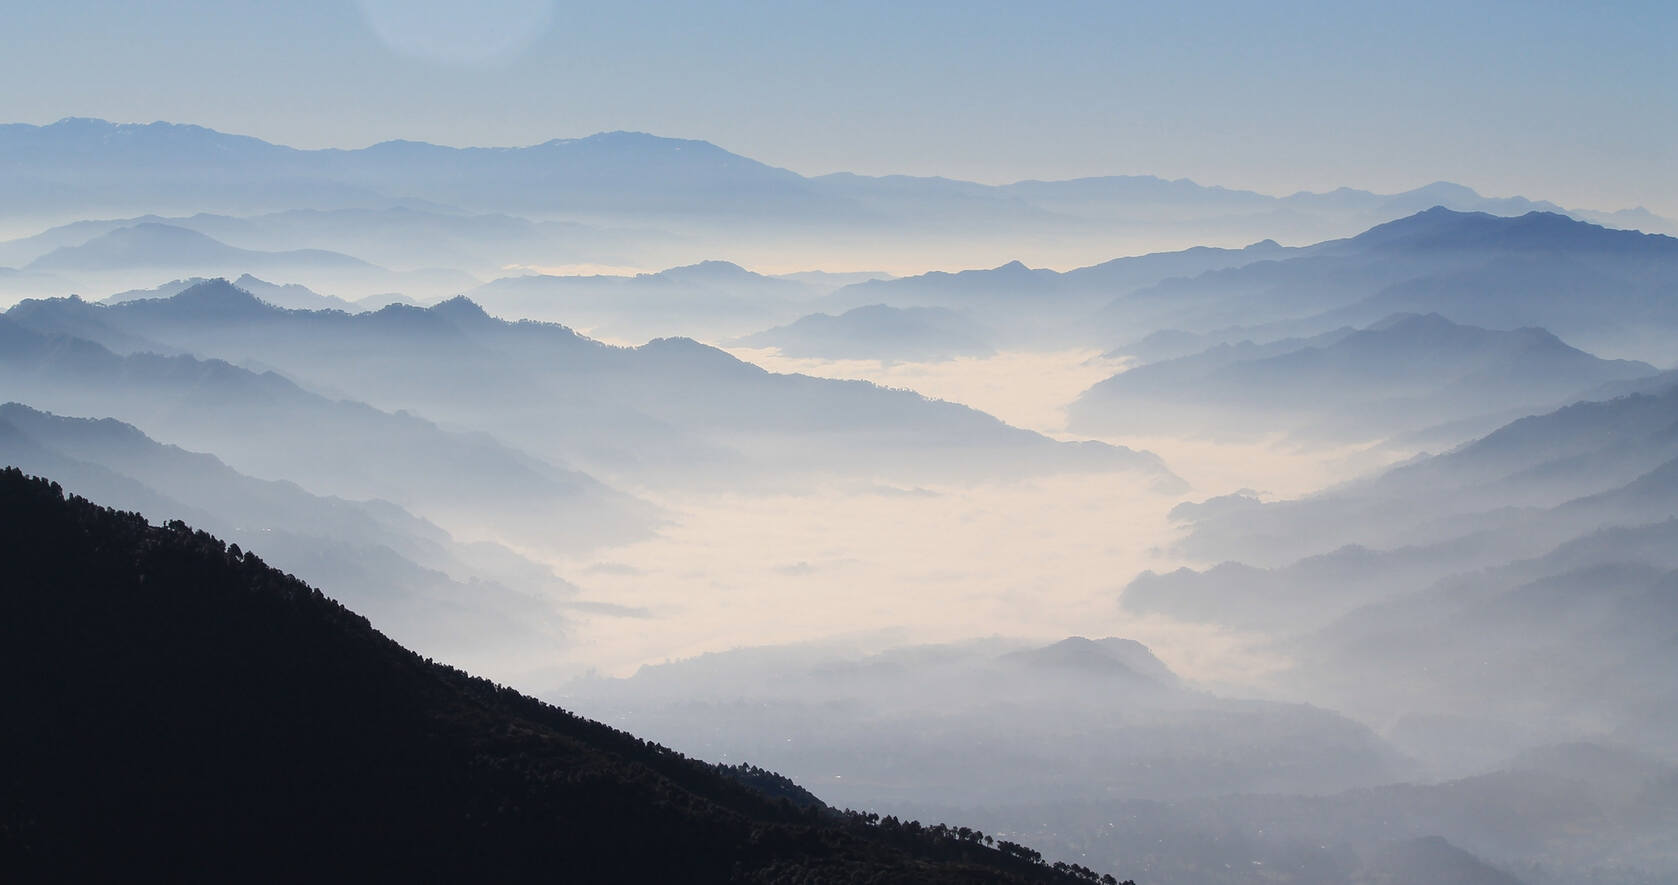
(153, 245)
(1075, 720)
(1299, 340)
(267, 426)
(402, 237)
(80, 168)
(1538, 270)
(1505, 581)
(878, 332)
(1043, 287)
(1406, 373)
(1608, 291)
(711, 301)
(157, 249)
(1569, 812)
(1037, 306)
(652, 412)
(291, 296)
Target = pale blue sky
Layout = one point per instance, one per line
(1572, 102)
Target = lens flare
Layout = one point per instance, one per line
(478, 33)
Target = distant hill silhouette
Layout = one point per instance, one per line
(1609, 291)
(178, 707)
(711, 300)
(293, 296)
(1404, 373)
(266, 425)
(1014, 279)
(1440, 229)
(151, 244)
(1433, 860)
(1526, 578)
(678, 189)
(1514, 493)
(155, 247)
(1123, 658)
(878, 332)
(661, 409)
(1576, 813)
(1023, 305)
(396, 236)
(1075, 720)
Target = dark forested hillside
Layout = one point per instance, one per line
(177, 709)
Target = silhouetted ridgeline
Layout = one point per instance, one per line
(176, 709)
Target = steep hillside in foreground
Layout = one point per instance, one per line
(176, 706)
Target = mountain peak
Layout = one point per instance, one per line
(81, 134)
(1408, 321)
(1112, 656)
(1443, 229)
(1436, 326)
(460, 308)
(83, 123)
(1444, 191)
(713, 270)
(646, 144)
(219, 296)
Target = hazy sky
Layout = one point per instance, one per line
(1567, 101)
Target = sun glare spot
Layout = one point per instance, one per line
(483, 32)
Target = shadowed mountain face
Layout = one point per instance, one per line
(657, 411)
(1403, 374)
(189, 711)
(878, 332)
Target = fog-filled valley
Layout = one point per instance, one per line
(1184, 532)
